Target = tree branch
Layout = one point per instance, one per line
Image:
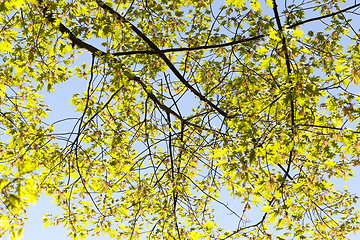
(288, 68)
(163, 57)
(93, 50)
(325, 16)
(184, 49)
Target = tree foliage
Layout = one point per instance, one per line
(189, 105)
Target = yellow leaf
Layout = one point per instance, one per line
(269, 3)
(273, 35)
(19, 3)
(195, 235)
(209, 225)
(236, 3)
(262, 50)
(266, 208)
(5, 46)
(218, 153)
(277, 194)
(272, 217)
(297, 33)
(255, 5)
(329, 163)
(4, 222)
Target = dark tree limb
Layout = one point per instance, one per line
(163, 57)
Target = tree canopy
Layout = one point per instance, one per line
(189, 105)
